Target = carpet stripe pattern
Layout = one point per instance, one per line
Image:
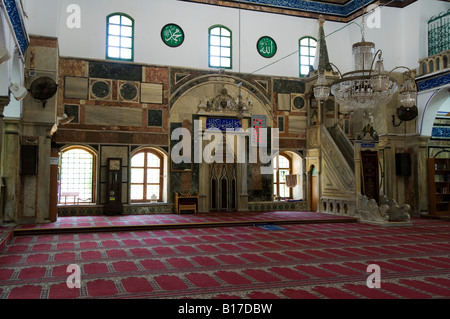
(301, 261)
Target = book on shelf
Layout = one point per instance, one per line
(440, 166)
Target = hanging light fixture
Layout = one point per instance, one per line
(364, 87)
(368, 85)
(321, 89)
(408, 91)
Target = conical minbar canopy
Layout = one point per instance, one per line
(322, 61)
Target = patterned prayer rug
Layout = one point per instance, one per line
(300, 261)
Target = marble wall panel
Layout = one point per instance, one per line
(284, 102)
(155, 118)
(76, 88)
(72, 67)
(297, 124)
(156, 75)
(114, 152)
(288, 86)
(152, 93)
(115, 71)
(117, 116)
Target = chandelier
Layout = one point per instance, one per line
(365, 87)
(368, 85)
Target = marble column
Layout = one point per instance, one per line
(307, 193)
(4, 101)
(420, 145)
(357, 160)
(11, 169)
(204, 187)
(242, 187)
(390, 177)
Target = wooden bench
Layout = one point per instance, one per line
(186, 202)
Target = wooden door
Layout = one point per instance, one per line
(370, 175)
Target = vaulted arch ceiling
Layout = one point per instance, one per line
(333, 10)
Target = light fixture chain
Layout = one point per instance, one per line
(363, 31)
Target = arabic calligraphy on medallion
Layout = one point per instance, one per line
(172, 35)
(267, 47)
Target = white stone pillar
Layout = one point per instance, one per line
(11, 169)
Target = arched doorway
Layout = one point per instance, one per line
(223, 187)
(430, 102)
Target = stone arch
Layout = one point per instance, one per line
(431, 102)
(297, 168)
(186, 99)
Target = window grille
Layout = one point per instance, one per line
(439, 33)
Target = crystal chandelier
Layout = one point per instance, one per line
(365, 87)
(321, 89)
(408, 91)
(369, 84)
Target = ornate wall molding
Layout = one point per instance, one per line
(332, 11)
(16, 23)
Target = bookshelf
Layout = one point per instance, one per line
(439, 186)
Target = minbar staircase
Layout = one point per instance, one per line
(338, 172)
(345, 146)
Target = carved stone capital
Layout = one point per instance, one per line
(4, 101)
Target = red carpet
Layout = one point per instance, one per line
(300, 261)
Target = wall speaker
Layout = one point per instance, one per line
(29, 160)
(18, 91)
(403, 164)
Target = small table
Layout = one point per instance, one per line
(74, 195)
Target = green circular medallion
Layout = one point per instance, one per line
(266, 47)
(172, 35)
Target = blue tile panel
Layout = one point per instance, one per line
(441, 132)
(15, 18)
(434, 82)
(314, 6)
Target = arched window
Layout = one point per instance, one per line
(77, 176)
(147, 176)
(424, 68)
(120, 37)
(307, 49)
(220, 47)
(282, 167)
